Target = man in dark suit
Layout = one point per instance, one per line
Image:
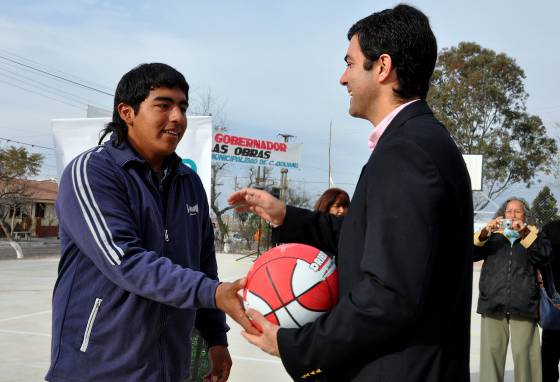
(404, 249)
(550, 348)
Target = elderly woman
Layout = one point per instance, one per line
(509, 298)
(334, 201)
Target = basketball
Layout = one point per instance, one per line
(292, 284)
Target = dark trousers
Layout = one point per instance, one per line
(550, 353)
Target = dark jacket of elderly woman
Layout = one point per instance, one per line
(507, 280)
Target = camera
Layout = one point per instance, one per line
(505, 223)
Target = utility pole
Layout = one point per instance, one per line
(330, 136)
(284, 172)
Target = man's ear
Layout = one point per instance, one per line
(385, 67)
(126, 112)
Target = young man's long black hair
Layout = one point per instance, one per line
(135, 86)
(403, 33)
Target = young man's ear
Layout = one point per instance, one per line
(126, 112)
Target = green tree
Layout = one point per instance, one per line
(16, 165)
(480, 97)
(545, 207)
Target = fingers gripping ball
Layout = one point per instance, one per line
(291, 285)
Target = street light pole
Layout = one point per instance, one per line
(284, 172)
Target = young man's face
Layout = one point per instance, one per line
(159, 124)
(360, 83)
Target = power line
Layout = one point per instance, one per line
(26, 144)
(44, 95)
(57, 76)
(45, 87)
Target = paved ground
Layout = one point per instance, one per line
(25, 298)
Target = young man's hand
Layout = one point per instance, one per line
(220, 362)
(230, 302)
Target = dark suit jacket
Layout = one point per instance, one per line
(404, 256)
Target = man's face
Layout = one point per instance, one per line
(515, 211)
(360, 83)
(159, 124)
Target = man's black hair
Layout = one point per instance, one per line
(135, 86)
(403, 33)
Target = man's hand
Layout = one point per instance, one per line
(260, 202)
(230, 302)
(220, 362)
(266, 340)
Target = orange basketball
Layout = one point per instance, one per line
(292, 284)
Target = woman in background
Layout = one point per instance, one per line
(333, 201)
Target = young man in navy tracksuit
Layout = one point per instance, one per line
(138, 267)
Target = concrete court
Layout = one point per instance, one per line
(25, 298)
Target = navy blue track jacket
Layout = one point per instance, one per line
(137, 271)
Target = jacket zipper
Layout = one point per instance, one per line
(163, 191)
(509, 282)
(89, 325)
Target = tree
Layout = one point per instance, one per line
(297, 197)
(545, 207)
(16, 165)
(207, 104)
(480, 97)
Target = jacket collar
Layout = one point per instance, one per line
(125, 155)
(413, 110)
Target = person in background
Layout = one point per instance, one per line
(334, 201)
(509, 298)
(550, 348)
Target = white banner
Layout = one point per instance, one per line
(474, 166)
(255, 152)
(74, 136)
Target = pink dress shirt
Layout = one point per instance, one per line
(378, 130)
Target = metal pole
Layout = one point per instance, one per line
(284, 172)
(330, 135)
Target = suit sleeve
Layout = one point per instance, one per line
(404, 194)
(211, 323)
(318, 229)
(94, 210)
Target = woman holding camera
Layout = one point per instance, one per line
(508, 301)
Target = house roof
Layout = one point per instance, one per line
(42, 190)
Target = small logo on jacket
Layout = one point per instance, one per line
(192, 210)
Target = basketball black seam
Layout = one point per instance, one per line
(280, 298)
(266, 302)
(296, 298)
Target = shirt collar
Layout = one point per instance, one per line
(124, 154)
(378, 130)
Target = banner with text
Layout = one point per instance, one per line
(74, 136)
(255, 152)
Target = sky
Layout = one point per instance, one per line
(273, 67)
